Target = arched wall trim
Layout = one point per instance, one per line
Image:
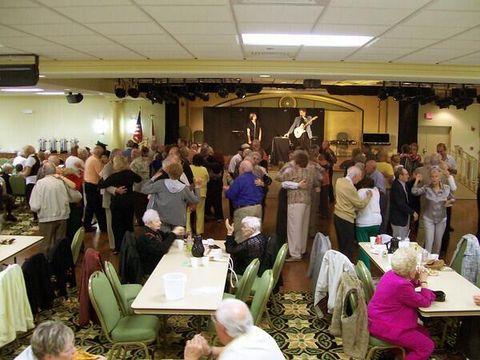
(313, 97)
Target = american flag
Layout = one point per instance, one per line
(138, 133)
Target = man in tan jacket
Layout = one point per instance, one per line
(346, 205)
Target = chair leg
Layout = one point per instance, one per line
(147, 353)
(113, 351)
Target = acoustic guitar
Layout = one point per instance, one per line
(299, 130)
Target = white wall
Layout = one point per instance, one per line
(465, 125)
(52, 116)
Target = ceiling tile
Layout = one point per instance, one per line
(8, 32)
(7, 50)
(473, 34)
(277, 28)
(178, 53)
(68, 55)
(473, 59)
(400, 43)
(435, 55)
(123, 55)
(76, 3)
(344, 29)
(423, 32)
(116, 14)
(66, 29)
(362, 16)
(181, 2)
(455, 44)
(30, 16)
(273, 13)
(470, 5)
(26, 42)
(127, 29)
(153, 40)
(385, 57)
(200, 28)
(207, 39)
(380, 4)
(393, 51)
(319, 57)
(435, 17)
(193, 13)
(82, 40)
(17, 3)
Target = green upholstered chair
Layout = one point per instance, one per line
(17, 182)
(77, 243)
(457, 261)
(366, 278)
(246, 282)
(260, 299)
(125, 293)
(122, 331)
(375, 344)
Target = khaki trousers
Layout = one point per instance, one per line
(52, 232)
(199, 217)
(239, 214)
(298, 216)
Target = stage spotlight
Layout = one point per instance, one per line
(133, 92)
(424, 100)
(120, 91)
(398, 94)
(184, 92)
(383, 94)
(202, 95)
(74, 98)
(240, 92)
(443, 103)
(222, 91)
(463, 103)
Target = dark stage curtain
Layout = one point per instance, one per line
(172, 123)
(225, 128)
(407, 123)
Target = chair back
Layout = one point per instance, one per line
(246, 282)
(457, 261)
(17, 182)
(278, 264)
(77, 243)
(116, 286)
(262, 294)
(104, 302)
(366, 278)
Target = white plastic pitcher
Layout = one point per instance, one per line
(174, 285)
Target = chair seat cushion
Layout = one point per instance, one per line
(130, 291)
(136, 328)
(373, 341)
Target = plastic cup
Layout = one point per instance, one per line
(174, 284)
(195, 262)
(180, 244)
(372, 240)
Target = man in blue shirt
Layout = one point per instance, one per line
(246, 195)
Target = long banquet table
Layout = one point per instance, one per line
(203, 292)
(458, 290)
(21, 243)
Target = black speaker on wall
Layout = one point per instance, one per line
(19, 70)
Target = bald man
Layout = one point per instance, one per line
(235, 330)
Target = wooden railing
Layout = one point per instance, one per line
(467, 168)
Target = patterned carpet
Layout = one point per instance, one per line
(294, 325)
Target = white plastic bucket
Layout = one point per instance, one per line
(174, 285)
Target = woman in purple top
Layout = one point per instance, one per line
(392, 311)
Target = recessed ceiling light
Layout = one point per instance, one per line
(264, 75)
(21, 89)
(51, 93)
(41, 76)
(305, 40)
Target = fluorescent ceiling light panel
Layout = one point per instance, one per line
(305, 40)
(51, 93)
(21, 89)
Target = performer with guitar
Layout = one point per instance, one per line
(301, 130)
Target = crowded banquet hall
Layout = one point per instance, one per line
(228, 179)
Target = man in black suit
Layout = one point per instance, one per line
(400, 210)
(304, 140)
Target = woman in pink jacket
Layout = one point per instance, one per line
(392, 311)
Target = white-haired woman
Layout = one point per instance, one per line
(392, 311)
(438, 197)
(252, 248)
(153, 243)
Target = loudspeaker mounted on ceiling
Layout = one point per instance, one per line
(18, 70)
(312, 83)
